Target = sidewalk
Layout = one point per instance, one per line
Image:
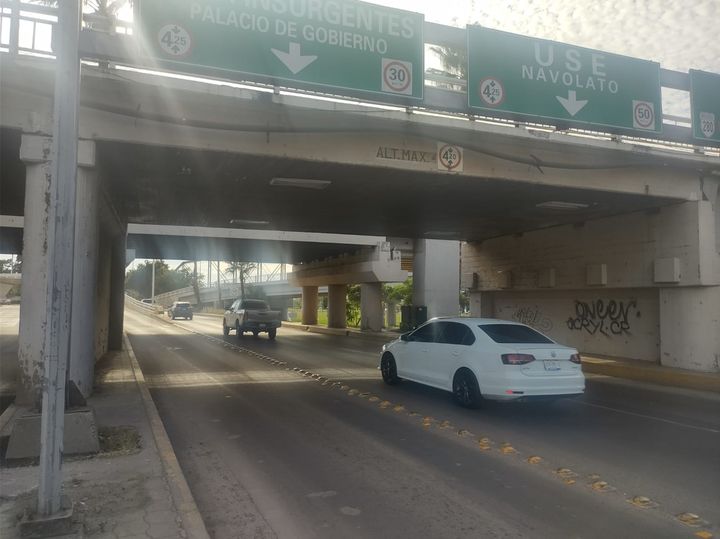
(134, 488)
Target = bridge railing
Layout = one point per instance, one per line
(139, 306)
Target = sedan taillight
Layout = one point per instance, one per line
(575, 358)
(517, 359)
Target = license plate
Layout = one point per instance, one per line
(262, 325)
(551, 365)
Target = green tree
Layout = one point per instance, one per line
(399, 293)
(166, 279)
(352, 305)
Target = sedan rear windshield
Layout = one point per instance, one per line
(514, 334)
(255, 305)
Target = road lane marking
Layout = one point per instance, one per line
(636, 414)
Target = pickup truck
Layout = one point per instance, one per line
(251, 315)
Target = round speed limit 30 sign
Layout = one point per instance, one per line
(396, 76)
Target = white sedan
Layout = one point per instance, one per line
(477, 358)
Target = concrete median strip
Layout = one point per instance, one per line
(182, 497)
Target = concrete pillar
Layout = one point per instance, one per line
(35, 153)
(309, 305)
(337, 296)
(436, 276)
(690, 328)
(85, 266)
(117, 290)
(391, 315)
(102, 295)
(371, 311)
(482, 304)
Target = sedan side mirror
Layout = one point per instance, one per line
(405, 337)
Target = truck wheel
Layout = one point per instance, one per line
(271, 333)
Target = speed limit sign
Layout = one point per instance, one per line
(643, 115)
(396, 76)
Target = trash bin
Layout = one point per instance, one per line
(406, 318)
(419, 315)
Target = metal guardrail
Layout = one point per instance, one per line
(139, 306)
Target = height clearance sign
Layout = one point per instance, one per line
(342, 46)
(539, 80)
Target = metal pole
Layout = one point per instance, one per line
(218, 285)
(152, 286)
(61, 244)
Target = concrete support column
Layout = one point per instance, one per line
(690, 328)
(117, 290)
(371, 311)
(309, 305)
(436, 276)
(391, 315)
(482, 304)
(337, 296)
(35, 153)
(85, 267)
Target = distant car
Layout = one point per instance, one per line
(252, 315)
(482, 358)
(180, 309)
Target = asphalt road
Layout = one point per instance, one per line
(269, 451)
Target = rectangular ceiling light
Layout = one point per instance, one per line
(248, 222)
(300, 182)
(558, 205)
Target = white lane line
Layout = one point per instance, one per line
(670, 421)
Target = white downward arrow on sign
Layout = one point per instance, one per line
(293, 60)
(572, 104)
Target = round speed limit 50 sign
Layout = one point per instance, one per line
(643, 115)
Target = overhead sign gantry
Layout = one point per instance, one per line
(538, 80)
(705, 106)
(338, 46)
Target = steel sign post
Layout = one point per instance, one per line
(705, 106)
(531, 79)
(337, 46)
(61, 242)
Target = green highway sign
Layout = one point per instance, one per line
(705, 106)
(545, 81)
(341, 46)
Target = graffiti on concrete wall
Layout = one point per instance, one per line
(533, 317)
(608, 317)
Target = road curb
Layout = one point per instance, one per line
(179, 489)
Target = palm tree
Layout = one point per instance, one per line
(243, 269)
